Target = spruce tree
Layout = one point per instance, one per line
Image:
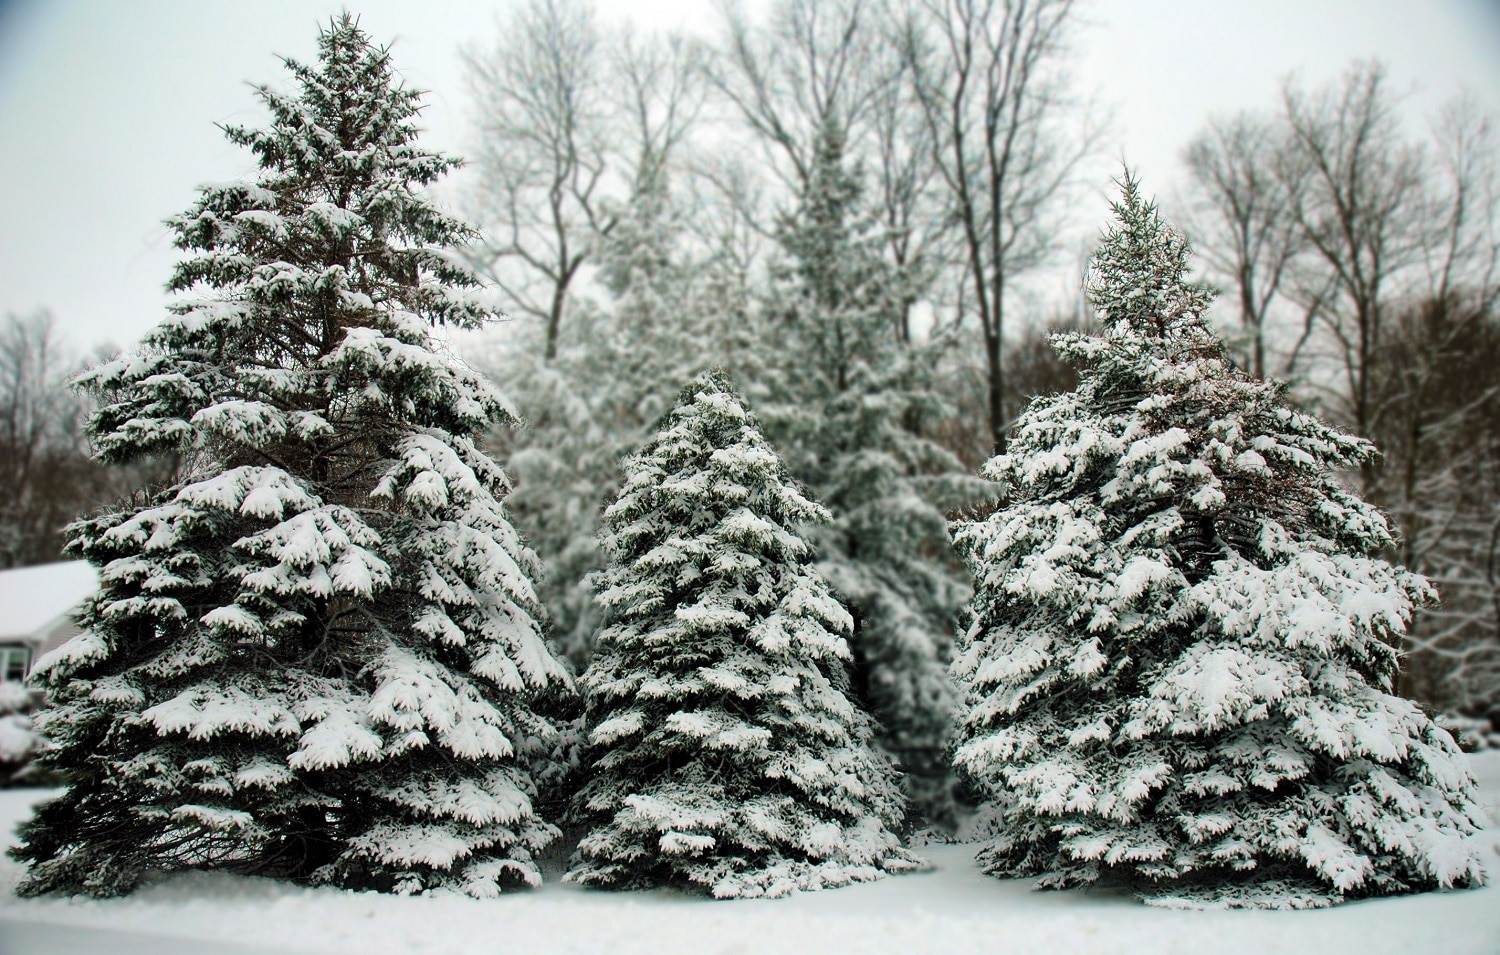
(847, 402)
(1180, 673)
(316, 654)
(726, 754)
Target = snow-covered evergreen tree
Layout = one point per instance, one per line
(1179, 676)
(316, 655)
(845, 401)
(726, 754)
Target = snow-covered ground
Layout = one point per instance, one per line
(951, 909)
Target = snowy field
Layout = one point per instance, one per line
(952, 909)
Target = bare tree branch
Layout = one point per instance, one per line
(987, 76)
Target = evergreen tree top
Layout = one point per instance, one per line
(708, 452)
(1138, 277)
(348, 111)
(326, 269)
(1159, 371)
(342, 143)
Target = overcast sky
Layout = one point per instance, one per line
(107, 108)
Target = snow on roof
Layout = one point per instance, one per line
(33, 597)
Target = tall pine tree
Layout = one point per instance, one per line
(846, 401)
(316, 655)
(1179, 676)
(727, 756)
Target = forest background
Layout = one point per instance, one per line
(868, 212)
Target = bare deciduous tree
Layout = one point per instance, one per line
(911, 208)
(1362, 210)
(46, 477)
(1242, 220)
(814, 66)
(1464, 251)
(542, 155)
(1437, 378)
(814, 63)
(661, 91)
(1440, 437)
(987, 75)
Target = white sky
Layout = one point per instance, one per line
(107, 109)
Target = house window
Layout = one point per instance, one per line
(14, 662)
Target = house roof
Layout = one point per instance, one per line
(33, 598)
